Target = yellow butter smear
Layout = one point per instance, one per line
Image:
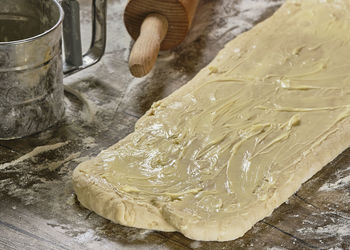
(230, 138)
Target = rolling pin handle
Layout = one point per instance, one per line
(146, 48)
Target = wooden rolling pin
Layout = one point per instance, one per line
(156, 25)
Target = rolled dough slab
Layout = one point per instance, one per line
(226, 149)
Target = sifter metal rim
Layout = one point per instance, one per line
(30, 39)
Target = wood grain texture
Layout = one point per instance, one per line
(179, 14)
(190, 6)
(146, 48)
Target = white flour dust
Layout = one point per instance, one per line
(52, 166)
(88, 236)
(195, 244)
(343, 180)
(340, 230)
(36, 151)
(248, 13)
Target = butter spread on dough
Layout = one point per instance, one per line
(234, 143)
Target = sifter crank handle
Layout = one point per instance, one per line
(75, 60)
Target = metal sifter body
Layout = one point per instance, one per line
(31, 65)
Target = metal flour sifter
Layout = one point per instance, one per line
(31, 65)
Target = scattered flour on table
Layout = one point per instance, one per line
(233, 18)
(337, 185)
(89, 108)
(52, 166)
(308, 222)
(36, 151)
(253, 9)
(341, 229)
(85, 237)
(82, 159)
(195, 244)
(343, 180)
(140, 235)
(248, 13)
(89, 235)
(89, 142)
(92, 239)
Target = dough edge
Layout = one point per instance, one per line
(109, 203)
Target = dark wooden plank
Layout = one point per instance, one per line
(329, 190)
(7, 154)
(20, 231)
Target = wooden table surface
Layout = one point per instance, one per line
(38, 208)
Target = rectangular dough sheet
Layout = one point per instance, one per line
(226, 149)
